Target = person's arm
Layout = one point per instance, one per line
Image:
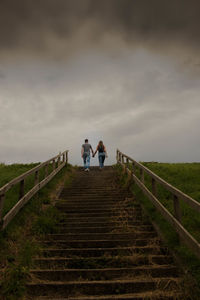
(95, 152)
(92, 150)
(105, 151)
(82, 151)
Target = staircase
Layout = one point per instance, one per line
(105, 247)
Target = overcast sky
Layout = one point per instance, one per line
(124, 71)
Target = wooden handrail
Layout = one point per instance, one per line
(190, 201)
(62, 160)
(178, 195)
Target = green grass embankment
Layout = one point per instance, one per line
(19, 241)
(186, 177)
(9, 172)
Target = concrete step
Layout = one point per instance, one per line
(112, 287)
(74, 223)
(99, 205)
(102, 262)
(101, 243)
(90, 202)
(99, 217)
(104, 229)
(93, 214)
(92, 199)
(99, 211)
(100, 236)
(155, 295)
(95, 252)
(97, 196)
(92, 219)
(101, 192)
(84, 204)
(95, 206)
(91, 185)
(106, 274)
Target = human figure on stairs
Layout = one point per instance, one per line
(102, 154)
(85, 153)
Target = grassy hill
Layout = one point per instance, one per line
(186, 177)
(9, 172)
(19, 241)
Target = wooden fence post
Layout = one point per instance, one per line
(127, 162)
(36, 177)
(142, 175)
(58, 161)
(133, 167)
(154, 187)
(133, 172)
(66, 157)
(123, 165)
(46, 170)
(21, 189)
(177, 208)
(2, 199)
(117, 156)
(54, 164)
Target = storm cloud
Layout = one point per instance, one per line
(57, 29)
(124, 71)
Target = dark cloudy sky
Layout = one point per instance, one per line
(125, 71)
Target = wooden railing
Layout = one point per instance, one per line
(175, 220)
(56, 163)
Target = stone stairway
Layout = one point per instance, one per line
(105, 248)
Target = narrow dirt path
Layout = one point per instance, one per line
(105, 248)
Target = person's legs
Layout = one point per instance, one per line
(103, 159)
(88, 162)
(84, 161)
(100, 161)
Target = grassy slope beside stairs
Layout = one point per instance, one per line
(185, 177)
(18, 243)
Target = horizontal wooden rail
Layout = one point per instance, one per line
(175, 220)
(193, 203)
(60, 160)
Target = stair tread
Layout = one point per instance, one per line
(104, 282)
(106, 269)
(164, 296)
(134, 296)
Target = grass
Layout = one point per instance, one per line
(46, 223)
(186, 177)
(19, 242)
(9, 172)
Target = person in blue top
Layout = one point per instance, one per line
(102, 154)
(85, 153)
